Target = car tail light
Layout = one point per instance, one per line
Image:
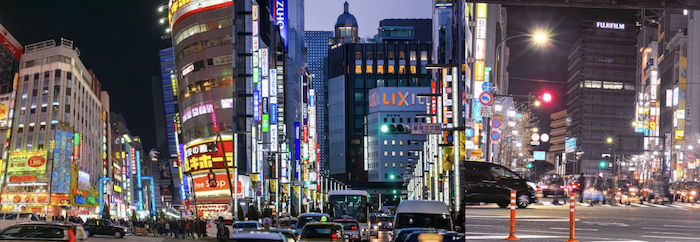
(353, 228)
(544, 186)
(334, 236)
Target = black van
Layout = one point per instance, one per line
(491, 183)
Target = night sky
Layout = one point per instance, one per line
(118, 39)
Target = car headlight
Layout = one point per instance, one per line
(692, 193)
(375, 227)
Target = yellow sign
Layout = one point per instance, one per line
(27, 162)
(481, 9)
(273, 185)
(176, 4)
(462, 146)
(680, 134)
(447, 157)
(117, 188)
(479, 70)
(255, 12)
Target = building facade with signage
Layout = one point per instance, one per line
(601, 95)
(354, 69)
(54, 95)
(317, 43)
(393, 111)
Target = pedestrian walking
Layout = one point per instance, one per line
(222, 233)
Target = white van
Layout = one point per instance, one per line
(422, 214)
(12, 218)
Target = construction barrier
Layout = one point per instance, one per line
(572, 219)
(512, 216)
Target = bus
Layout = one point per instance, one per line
(351, 204)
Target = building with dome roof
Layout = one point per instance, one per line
(346, 27)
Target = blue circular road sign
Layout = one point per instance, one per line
(495, 135)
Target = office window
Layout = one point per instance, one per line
(358, 69)
(402, 70)
(380, 69)
(413, 56)
(400, 142)
(413, 69)
(400, 153)
(401, 55)
(393, 164)
(386, 153)
(391, 69)
(369, 55)
(401, 164)
(386, 175)
(393, 153)
(386, 164)
(393, 142)
(385, 142)
(379, 55)
(358, 55)
(369, 69)
(424, 55)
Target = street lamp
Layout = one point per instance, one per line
(609, 140)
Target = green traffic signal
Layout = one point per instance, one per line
(394, 191)
(385, 128)
(529, 165)
(602, 164)
(392, 176)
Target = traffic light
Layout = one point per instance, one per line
(547, 97)
(212, 179)
(603, 164)
(395, 129)
(392, 176)
(394, 191)
(529, 165)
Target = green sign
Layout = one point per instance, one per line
(256, 74)
(91, 200)
(265, 123)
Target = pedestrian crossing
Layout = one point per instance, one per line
(681, 206)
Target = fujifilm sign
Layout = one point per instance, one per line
(606, 25)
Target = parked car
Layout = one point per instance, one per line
(103, 227)
(492, 183)
(44, 231)
(11, 218)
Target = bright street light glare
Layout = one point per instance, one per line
(609, 140)
(540, 37)
(537, 103)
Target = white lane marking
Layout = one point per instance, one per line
(607, 224)
(652, 232)
(583, 204)
(545, 220)
(667, 237)
(547, 203)
(657, 205)
(575, 228)
(680, 207)
(519, 237)
(680, 226)
(618, 241)
(665, 229)
(639, 205)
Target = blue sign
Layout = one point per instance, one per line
(495, 135)
(477, 110)
(256, 106)
(297, 141)
(79, 199)
(312, 100)
(258, 193)
(539, 155)
(469, 132)
(280, 18)
(487, 87)
(273, 113)
(496, 123)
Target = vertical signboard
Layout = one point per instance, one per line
(297, 141)
(274, 138)
(256, 107)
(280, 17)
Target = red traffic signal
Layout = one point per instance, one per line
(547, 97)
(212, 179)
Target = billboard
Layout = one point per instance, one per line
(4, 110)
(570, 144)
(83, 181)
(178, 9)
(62, 153)
(205, 155)
(27, 162)
(397, 99)
(10, 43)
(203, 190)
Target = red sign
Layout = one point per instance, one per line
(305, 134)
(27, 178)
(201, 184)
(36, 161)
(10, 42)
